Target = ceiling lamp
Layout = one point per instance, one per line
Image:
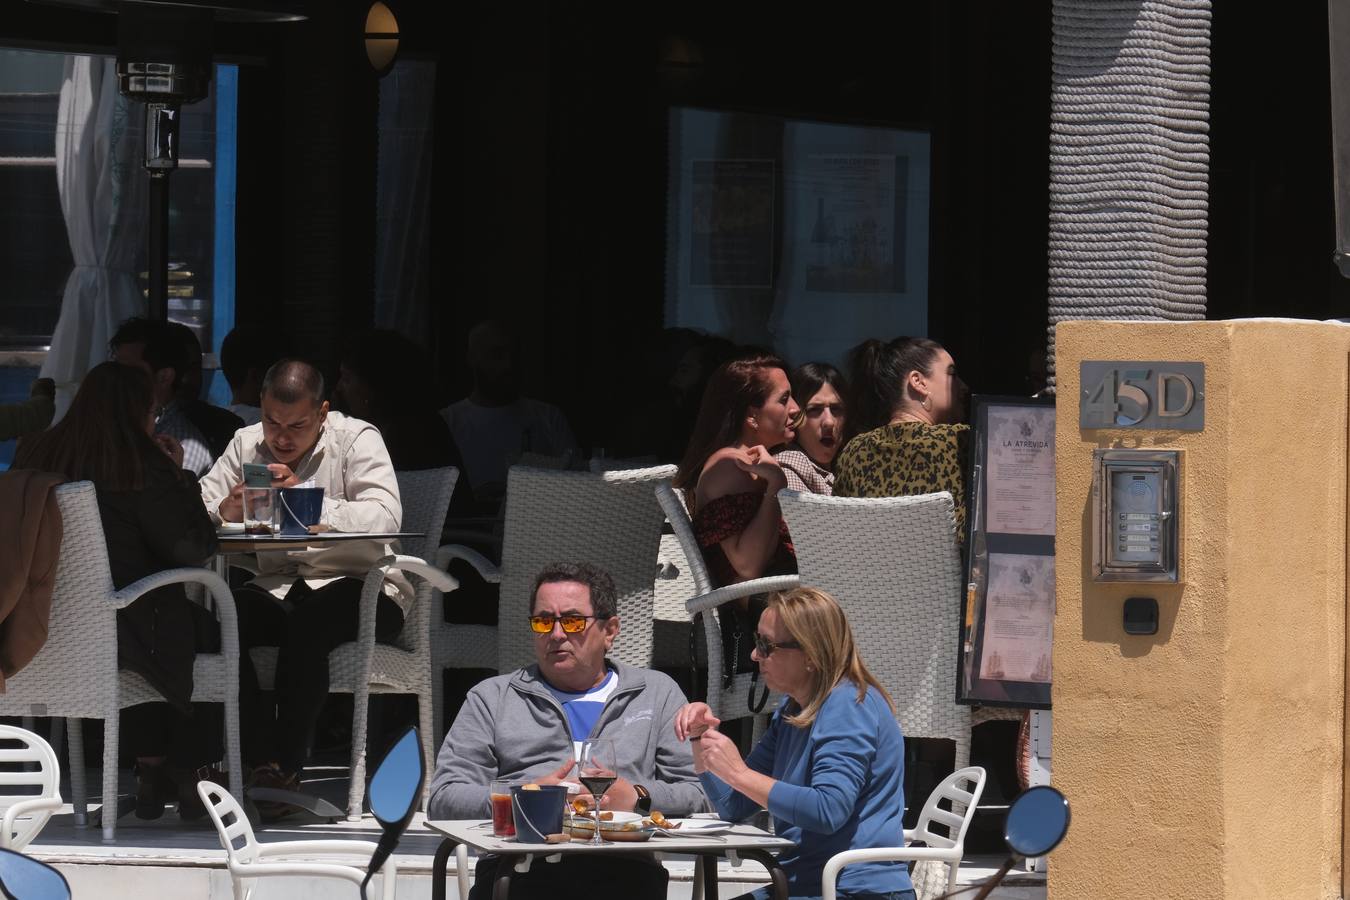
(381, 38)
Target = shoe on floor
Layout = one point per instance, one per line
(153, 788)
(190, 805)
(271, 777)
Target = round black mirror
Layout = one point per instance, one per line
(397, 782)
(1037, 821)
(25, 878)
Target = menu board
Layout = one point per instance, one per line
(1007, 623)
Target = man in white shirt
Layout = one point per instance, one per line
(305, 602)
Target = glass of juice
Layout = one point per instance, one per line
(503, 821)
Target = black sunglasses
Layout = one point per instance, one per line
(765, 647)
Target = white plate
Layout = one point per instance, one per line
(700, 826)
(230, 528)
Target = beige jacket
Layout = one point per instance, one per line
(351, 464)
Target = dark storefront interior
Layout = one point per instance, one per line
(548, 198)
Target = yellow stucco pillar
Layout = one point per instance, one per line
(1206, 760)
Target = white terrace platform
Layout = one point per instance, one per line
(171, 858)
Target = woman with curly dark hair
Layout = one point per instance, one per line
(808, 462)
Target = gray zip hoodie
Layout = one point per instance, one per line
(511, 727)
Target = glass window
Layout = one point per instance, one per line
(35, 255)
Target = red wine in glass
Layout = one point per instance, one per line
(597, 772)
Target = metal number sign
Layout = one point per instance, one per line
(1148, 395)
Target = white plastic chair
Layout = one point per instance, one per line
(944, 848)
(726, 702)
(75, 674)
(248, 860)
(893, 565)
(607, 519)
(27, 811)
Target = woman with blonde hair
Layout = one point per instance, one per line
(830, 767)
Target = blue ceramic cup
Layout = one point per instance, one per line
(538, 812)
(300, 508)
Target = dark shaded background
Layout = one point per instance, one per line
(548, 202)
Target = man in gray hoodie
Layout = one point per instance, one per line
(528, 725)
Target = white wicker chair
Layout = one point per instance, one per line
(36, 792)
(946, 849)
(248, 860)
(75, 675)
(364, 667)
(726, 702)
(607, 519)
(893, 565)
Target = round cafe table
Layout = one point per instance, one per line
(237, 542)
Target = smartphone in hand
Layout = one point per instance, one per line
(257, 475)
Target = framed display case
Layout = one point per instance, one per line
(1007, 620)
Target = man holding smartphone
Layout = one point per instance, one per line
(305, 602)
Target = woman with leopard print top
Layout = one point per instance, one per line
(905, 413)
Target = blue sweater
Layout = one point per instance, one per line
(840, 786)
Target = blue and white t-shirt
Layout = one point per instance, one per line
(583, 710)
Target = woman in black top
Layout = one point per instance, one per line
(153, 519)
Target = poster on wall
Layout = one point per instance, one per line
(1007, 625)
(857, 234)
(732, 223)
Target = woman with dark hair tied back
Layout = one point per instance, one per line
(904, 416)
(731, 483)
(153, 519)
(808, 462)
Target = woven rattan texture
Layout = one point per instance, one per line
(364, 667)
(893, 565)
(610, 519)
(75, 675)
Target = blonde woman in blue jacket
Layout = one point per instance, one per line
(830, 767)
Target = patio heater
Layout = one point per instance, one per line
(164, 61)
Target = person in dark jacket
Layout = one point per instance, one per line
(153, 519)
(386, 379)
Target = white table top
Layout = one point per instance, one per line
(478, 834)
(238, 542)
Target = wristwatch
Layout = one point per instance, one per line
(644, 800)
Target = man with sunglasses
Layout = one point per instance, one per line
(528, 726)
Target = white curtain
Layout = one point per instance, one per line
(103, 199)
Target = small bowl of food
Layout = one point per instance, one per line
(614, 826)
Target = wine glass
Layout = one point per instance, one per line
(597, 772)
